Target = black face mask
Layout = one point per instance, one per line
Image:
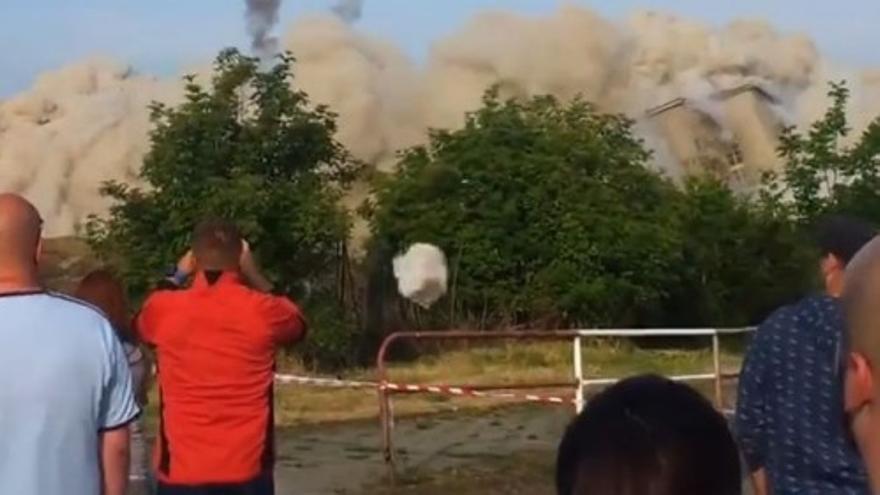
(212, 276)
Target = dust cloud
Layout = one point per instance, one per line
(261, 16)
(88, 122)
(349, 10)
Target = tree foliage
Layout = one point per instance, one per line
(740, 259)
(827, 170)
(249, 148)
(545, 210)
(548, 213)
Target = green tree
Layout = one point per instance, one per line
(741, 259)
(545, 210)
(826, 170)
(247, 147)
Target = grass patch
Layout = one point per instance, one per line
(504, 364)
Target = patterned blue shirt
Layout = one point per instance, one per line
(789, 416)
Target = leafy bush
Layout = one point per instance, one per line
(545, 210)
(826, 170)
(549, 216)
(248, 148)
(740, 259)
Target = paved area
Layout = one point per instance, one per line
(343, 459)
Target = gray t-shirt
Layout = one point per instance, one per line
(64, 378)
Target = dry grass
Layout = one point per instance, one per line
(507, 364)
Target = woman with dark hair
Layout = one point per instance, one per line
(103, 290)
(648, 435)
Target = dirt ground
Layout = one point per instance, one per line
(502, 451)
(508, 450)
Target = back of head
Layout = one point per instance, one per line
(104, 291)
(217, 245)
(842, 236)
(20, 227)
(861, 297)
(648, 436)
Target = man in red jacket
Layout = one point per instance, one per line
(215, 342)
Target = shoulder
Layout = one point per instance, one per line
(809, 312)
(818, 311)
(83, 318)
(824, 316)
(780, 319)
(163, 297)
(80, 311)
(271, 301)
(268, 305)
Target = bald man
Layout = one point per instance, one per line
(861, 301)
(65, 389)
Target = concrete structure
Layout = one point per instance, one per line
(732, 136)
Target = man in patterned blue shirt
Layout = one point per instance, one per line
(790, 419)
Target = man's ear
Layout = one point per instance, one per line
(859, 387)
(38, 253)
(831, 264)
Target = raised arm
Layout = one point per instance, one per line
(251, 271)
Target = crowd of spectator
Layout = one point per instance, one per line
(75, 374)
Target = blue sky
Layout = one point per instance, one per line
(161, 36)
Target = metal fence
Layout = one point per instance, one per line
(386, 389)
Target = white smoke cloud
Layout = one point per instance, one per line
(421, 274)
(88, 122)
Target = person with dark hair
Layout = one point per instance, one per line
(790, 419)
(648, 435)
(65, 388)
(215, 343)
(104, 291)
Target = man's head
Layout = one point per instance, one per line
(648, 436)
(20, 228)
(861, 302)
(839, 238)
(217, 245)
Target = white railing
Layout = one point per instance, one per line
(717, 374)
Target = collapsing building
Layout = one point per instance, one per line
(733, 136)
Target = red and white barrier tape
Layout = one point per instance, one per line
(431, 389)
(323, 382)
(461, 391)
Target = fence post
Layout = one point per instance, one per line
(716, 362)
(578, 376)
(384, 417)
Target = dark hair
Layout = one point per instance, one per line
(648, 436)
(103, 290)
(842, 236)
(216, 244)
